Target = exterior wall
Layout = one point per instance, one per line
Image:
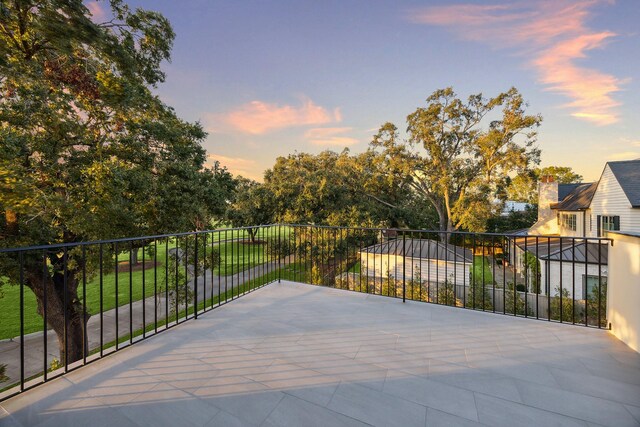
(609, 199)
(580, 224)
(569, 275)
(624, 289)
(547, 222)
(432, 270)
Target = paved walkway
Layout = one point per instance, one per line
(34, 343)
(300, 355)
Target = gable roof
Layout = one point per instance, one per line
(422, 248)
(578, 199)
(628, 175)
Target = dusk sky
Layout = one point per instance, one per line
(269, 78)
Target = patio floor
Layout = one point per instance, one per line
(300, 355)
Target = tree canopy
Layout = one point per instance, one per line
(340, 189)
(524, 186)
(88, 151)
(458, 153)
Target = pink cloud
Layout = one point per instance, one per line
(258, 117)
(553, 34)
(237, 166)
(330, 137)
(98, 13)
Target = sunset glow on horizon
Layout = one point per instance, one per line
(267, 80)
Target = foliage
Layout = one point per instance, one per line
(562, 307)
(3, 377)
(598, 299)
(514, 220)
(251, 205)
(453, 162)
(279, 247)
(532, 269)
(340, 189)
(88, 152)
(446, 294)
(524, 186)
(514, 302)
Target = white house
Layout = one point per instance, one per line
(575, 211)
(424, 260)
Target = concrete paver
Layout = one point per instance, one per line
(295, 354)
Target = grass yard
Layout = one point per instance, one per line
(235, 257)
(482, 268)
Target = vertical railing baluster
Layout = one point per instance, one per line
(65, 305)
(85, 343)
(155, 285)
(21, 283)
(45, 280)
(117, 299)
(195, 278)
(548, 278)
(599, 282)
(573, 277)
(493, 272)
(526, 276)
(130, 293)
(561, 303)
(404, 268)
(144, 294)
(538, 284)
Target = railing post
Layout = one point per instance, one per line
(404, 267)
(195, 280)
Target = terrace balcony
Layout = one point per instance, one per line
(283, 352)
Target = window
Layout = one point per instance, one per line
(608, 223)
(568, 221)
(590, 285)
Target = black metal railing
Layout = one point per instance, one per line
(552, 278)
(63, 306)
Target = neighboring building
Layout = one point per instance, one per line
(575, 211)
(565, 263)
(422, 259)
(591, 209)
(512, 206)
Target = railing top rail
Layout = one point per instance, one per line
(474, 233)
(128, 239)
(220, 230)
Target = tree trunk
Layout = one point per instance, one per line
(134, 256)
(252, 234)
(56, 309)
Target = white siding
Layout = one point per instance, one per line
(579, 232)
(569, 274)
(431, 270)
(609, 199)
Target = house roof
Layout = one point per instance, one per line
(628, 175)
(567, 249)
(422, 248)
(577, 199)
(565, 189)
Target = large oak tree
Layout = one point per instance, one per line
(87, 150)
(458, 153)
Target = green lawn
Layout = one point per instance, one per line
(482, 266)
(235, 257)
(355, 268)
